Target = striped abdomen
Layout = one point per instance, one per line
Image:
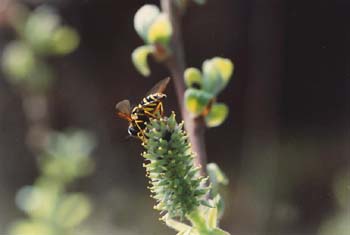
(153, 98)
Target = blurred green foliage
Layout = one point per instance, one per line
(50, 208)
(155, 29)
(217, 179)
(40, 34)
(339, 223)
(203, 87)
(65, 157)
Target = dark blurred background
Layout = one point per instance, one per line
(286, 140)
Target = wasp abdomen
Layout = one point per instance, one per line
(152, 98)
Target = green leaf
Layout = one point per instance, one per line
(217, 115)
(68, 155)
(216, 175)
(144, 18)
(160, 30)
(193, 78)
(64, 40)
(38, 202)
(40, 27)
(18, 61)
(32, 227)
(212, 217)
(218, 231)
(196, 101)
(207, 204)
(219, 202)
(72, 210)
(176, 225)
(72, 144)
(139, 59)
(225, 67)
(217, 73)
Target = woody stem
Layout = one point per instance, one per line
(176, 64)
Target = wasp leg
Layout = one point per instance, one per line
(161, 109)
(141, 136)
(150, 114)
(158, 108)
(141, 133)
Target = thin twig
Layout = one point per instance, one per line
(36, 110)
(176, 64)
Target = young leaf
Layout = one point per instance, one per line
(217, 115)
(73, 209)
(160, 30)
(196, 101)
(212, 217)
(216, 72)
(216, 175)
(176, 225)
(64, 40)
(38, 202)
(32, 227)
(18, 61)
(139, 59)
(144, 18)
(193, 78)
(40, 27)
(225, 67)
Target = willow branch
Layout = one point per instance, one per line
(35, 104)
(36, 110)
(176, 64)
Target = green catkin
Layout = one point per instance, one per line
(174, 180)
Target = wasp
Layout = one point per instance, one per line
(150, 107)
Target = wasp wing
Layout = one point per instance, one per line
(159, 87)
(123, 109)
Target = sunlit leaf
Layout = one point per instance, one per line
(139, 58)
(64, 40)
(225, 67)
(144, 18)
(217, 73)
(193, 78)
(160, 31)
(38, 202)
(67, 155)
(32, 227)
(40, 27)
(212, 217)
(72, 210)
(73, 144)
(18, 61)
(217, 115)
(196, 101)
(216, 175)
(218, 231)
(176, 225)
